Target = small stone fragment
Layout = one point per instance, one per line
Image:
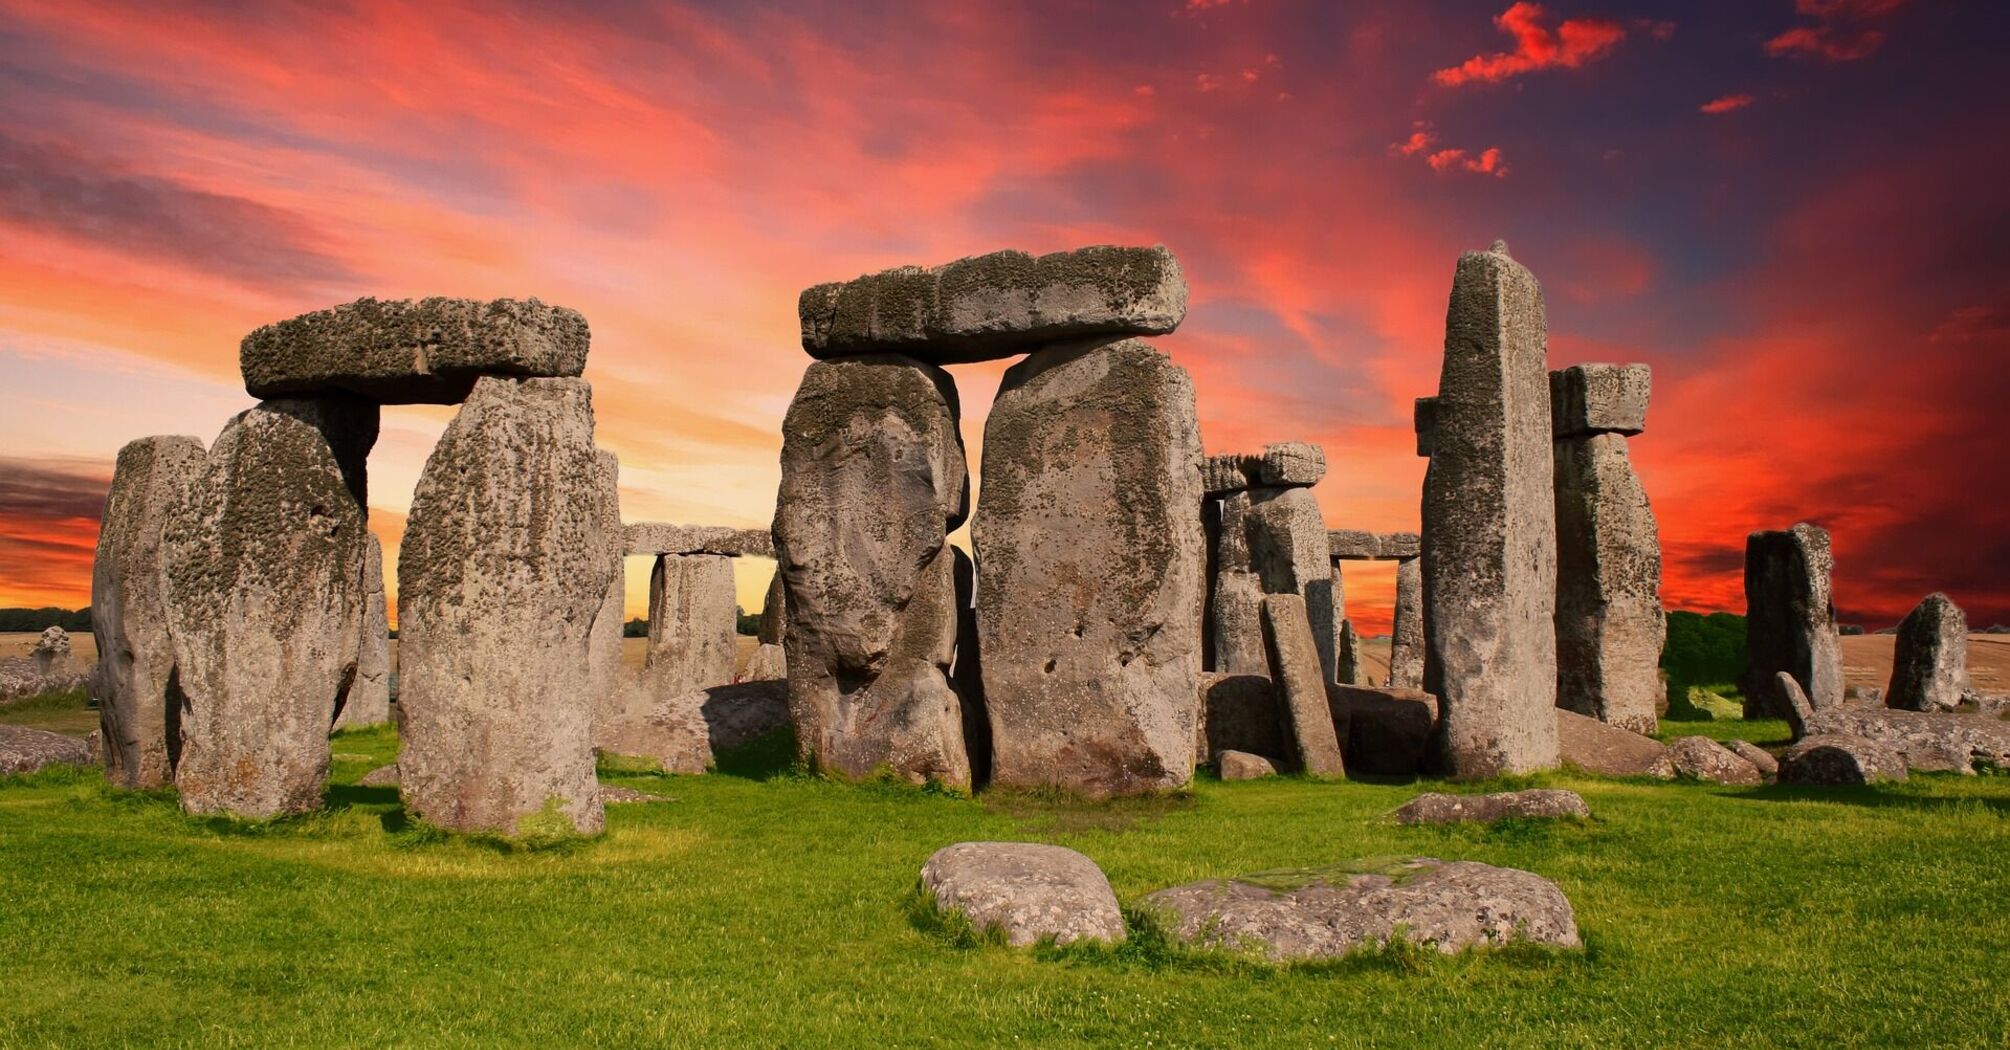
(1026, 891)
(1760, 758)
(1534, 804)
(25, 750)
(1241, 765)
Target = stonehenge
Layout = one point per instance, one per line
(1790, 621)
(1406, 643)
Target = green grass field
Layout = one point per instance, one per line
(763, 908)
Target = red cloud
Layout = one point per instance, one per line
(1826, 42)
(1419, 141)
(1487, 163)
(1725, 104)
(1847, 8)
(1572, 43)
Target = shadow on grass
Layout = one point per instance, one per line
(345, 796)
(1874, 797)
(765, 758)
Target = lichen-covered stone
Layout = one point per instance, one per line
(1294, 666)
(1226, 472)
(692, 621)
(1701, 758)
(1929, 741)
(1830, 759)
(1599, 399)
(996, 305)
(1241, 765)
(1790, 620)
(412, 351)
(873, 480)
(1292, 463)
(1026, 891)
(1235, 592)
(1609, 622)
(1286, 541)
(686, 733)
(1760, 758)
(608, 680)
(1533, 804)
(1929, 670)
(656, 537)
(369, 699)
(27, 750)
(1090, 545)
(1406, 643)
(139, 703)
(1353, 545)
(505, 566)
(1490, 527)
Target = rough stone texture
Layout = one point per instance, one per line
(1025, 890)
(504, 568)
(1235, 593)
(139, 701)
(1226, 472)
(996, 305)
(1239, 712)
(1241, 765)
(1388, 730)
(25, 750)
(369, 699)
(687, 733)
(263, 567)
(1406, 644)
(1760, 758)
(1353, 660)
(1294, 666)
(1793, 703)
(1295, 463)
(1929, 741)
(1354, 545)
(608, 678)
(1790, 620)
(382, 776)
(1600, 399)
(1595, 747)
(770, 661)
(1090, 545)
(1534, 804)
(1490, 527)
(51, 654)
(691, 624)
(1701, 758)
(1286, 540)
(1425, 419)
(1929, 669)
(656, 537)
(1402, 546)
(873, 479)
(1325, 913)
(408, 351)
(1609, 622)
(1834, 759)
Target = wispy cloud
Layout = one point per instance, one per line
(1572, 43)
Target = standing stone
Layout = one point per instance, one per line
(1929, 670)
(51, 654)
(1790, 620)
(1235, 598)
(1294, 666)
(504, 568)
(1609, 622)
(692, 622)
(1490, 527)
(1406, 645)
(369, 700)
(1353, 661)
(770, 662)
(263, 564)
(606, 677)
(1090, 544)
(139, 701)
(873, 480)
(1286, 539)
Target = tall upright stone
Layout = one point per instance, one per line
(770, 660)
(1235, 592)
(263, 566)
(607, 679)
(692, 623)
(1288, 551)
(1609, 621)
(1929, 670)
(1089, 548)
(1489, 544)
(369, 699)
(1790, 620)
(139, 700)
(873, 480)
(504, 568)
(1406, 645)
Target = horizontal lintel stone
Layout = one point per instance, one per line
(655, 537)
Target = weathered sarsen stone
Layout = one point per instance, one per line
(656, 537)
(996, 305)
(1090, 555)
(1286, 542)
(1235, 592)
(608, 680)
(504, 568)
(263, 567)
(407, 351)
(873, 480)
(1929, 670)
(1026, 891)
(1294, 666)
(1790, 620)
(1490, 527)
(691, 625)
(1406, 644)
(769, 661)
(139, 702)
(369, 699)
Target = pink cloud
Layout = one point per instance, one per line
(1488, 162)
(1572, 43)
(1725, 104)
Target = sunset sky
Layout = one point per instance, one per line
(1794, 210)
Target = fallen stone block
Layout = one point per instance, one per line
(1830, 759)
(1294, 666)
(1026, 891)
(1929, 741)
(1760, 758)
(25, 750)
(1701, 758)
(1388, 730)
(1534, 804)
(1595, 747)
(1241, 765)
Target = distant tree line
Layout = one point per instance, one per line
(43, 619)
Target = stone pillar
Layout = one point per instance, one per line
(263, 568)
(769, 661)
(1609, 623)
(606, 677)
(139, 700)
(1089, 540)
(873, 480)
(1301, 688)
(1929, 669)
(1489, 544)
(1790, 620)
(369, 699)
(1270, 538)
(1235, 599)
(692, 624)
(504, 568)
(1406, 646)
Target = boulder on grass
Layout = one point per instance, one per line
(1833, 759)
(1241, 765)
(1760, 758)
(25, 750)
(1930, 742)
(1025, 890)
(1535, 804)
(1595, 747)
(1702, 758)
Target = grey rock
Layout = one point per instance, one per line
(368, 702)
(1226, 472)
(1600, 399)
(51, 653)
(1388, 730)
(1092, 558)
(1353, 545)
(1326, 913)
(1929, 669)
(1240, 712)
(1595, 747)
(1425, 420)
(1235, 592)
(1609, 622)
(996, 305)
(1241, 765)
(25, 750)
(774, 623)
(656, 537)
(1790, 620)
(1353, 661)
(1833, 759)
(692, 605)
(1026, 891)
(382, 776)
(139, 702)
(769, 663)
(1869, 694)
(1294, 666)
(1287, 548)
(687, 733)
(609, 681)
(1534, 804)
(873, 480)
(1406, 643)
(263, 559)
(505, 566)
(1490, 527)
(1402, 546)
(408, 351)
(1701, 758)
(1928, 741)
(1760, 758)
(1296, 463)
